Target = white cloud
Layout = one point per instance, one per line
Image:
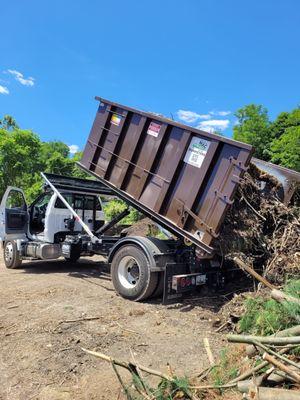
(3, 90)
(191, 116)
(214, 124)
(73, 148)
(20, 77)
(220, 113)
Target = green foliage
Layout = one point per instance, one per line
(19, 161)
(266, 317)
(277, 141)
(178, 388)
(286, 149)
(114, 207)
(23, 156)
(225, 370)
(253, 128)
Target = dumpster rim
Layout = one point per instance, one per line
(165, 120)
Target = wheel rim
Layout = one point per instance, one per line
(128, 272)
(9, 252)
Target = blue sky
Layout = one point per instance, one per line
(206, 58)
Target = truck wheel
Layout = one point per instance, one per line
(11, 254)
(131, 274)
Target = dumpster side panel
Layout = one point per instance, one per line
(183, 177)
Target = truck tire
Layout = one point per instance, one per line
(131, 274)
(11, 254)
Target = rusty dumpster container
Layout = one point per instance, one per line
(181, 177)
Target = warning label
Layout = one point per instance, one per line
(115, 119)
(196, 152)
(154, 129)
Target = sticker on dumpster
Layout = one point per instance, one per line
(115, 119)
(154, 129)
(197, 151)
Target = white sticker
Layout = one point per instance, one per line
(154, 129)
(196, 152)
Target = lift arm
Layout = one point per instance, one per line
(94, 238)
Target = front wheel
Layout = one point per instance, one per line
(11, 255)
(131, 274)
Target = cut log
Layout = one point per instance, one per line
(282, 297)
(294, 331)
(278, 364)
(265, 393)
(251, 384)
(253, 273)
(275, 340)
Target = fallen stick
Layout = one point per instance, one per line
(254, 370)
(128, 366)
(208, 351)
(278, 364)
(253, 273)
(282, 297)
(253, 209)
(278, 376)
(270, 351)
(222, 326)
(274, 340)
(68, 321)
(294, 331)
(206, 387)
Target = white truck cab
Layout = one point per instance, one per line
(38, 231)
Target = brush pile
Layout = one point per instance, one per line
(261, 230)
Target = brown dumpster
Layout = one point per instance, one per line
(179, 176)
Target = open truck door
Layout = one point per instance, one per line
(13, 224)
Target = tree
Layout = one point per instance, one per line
(286, 149)
(8, 123)
(23, 156)
(19, 150)
(253, 128)
(55, 158)
(283, 121)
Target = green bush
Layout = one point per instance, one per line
(115, 206)
(267, 316)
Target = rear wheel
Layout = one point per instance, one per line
(11, 254)
(131, 274)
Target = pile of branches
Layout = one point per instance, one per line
(260, 229)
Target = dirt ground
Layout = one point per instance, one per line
(40, 352)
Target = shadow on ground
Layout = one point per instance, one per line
(205, 297)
